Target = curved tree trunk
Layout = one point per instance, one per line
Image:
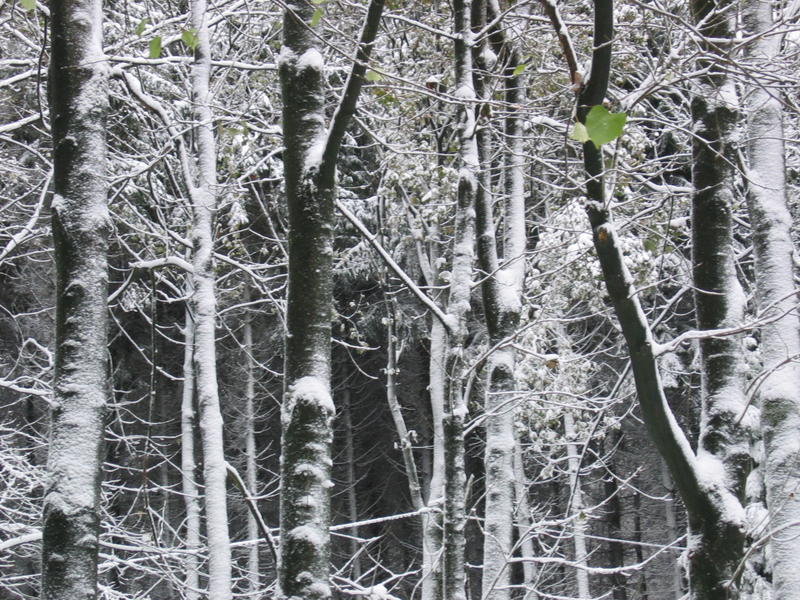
(711, 483)
(78, 103)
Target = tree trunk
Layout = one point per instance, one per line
(576, 505)
(717, 533)
(776, 295)
(709, 482)
(204, 206)
(310, 156)
(78, 93)
(191, 495)
(251, 452)
(458, 307)
(352, 496)
(502, 301)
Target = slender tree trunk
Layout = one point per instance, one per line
(191, 495)
(432, 526)
(458, 307)
(637, 536)
(776, 295)
(204, 206)
(251, 466)
(352, 496)
(670, 517)
(502, 300)
(524, 520)
(78, 92)
(579, 523)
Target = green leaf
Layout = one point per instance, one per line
(189, 37)
(579, 133)
(141, 25)
(372, 76)
(28, 4)
(155, 47)
(316, 17)
(518, 70)
(603, 126)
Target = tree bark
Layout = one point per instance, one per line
(776, 295)
(191, 495)
(458, 308)
(78, 91)
(310, 157)
(717, 537)
(204, 307)
(502, 302)
(251, 452)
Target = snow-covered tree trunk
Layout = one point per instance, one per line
(771, 221)
(78, 91)
(502, 300)
(432, 526)
(576, 506)
(251, 452)
(204, 308)
(310, 155)
(523, 516)
(189, 488)
(458, 308)
(308, 410)
(717, 532)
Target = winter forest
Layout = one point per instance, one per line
(394, 300)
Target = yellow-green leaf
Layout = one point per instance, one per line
(372, 76)
(141, 25)
(28, 4)
(316, 17)
(155, 47)
(579, 133)
(603, 126)
(189, 37)
(518, 70)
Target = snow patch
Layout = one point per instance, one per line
(286, 57)
(465, 92)
(308, 534)
(315, 152)
(311, 59)
(508, 296)
(309, 390)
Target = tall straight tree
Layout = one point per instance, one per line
(78, 89)
(776, 294)
(203, 194)
(458, 308)
(719, 300)
(502, 303)
(310, 156)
